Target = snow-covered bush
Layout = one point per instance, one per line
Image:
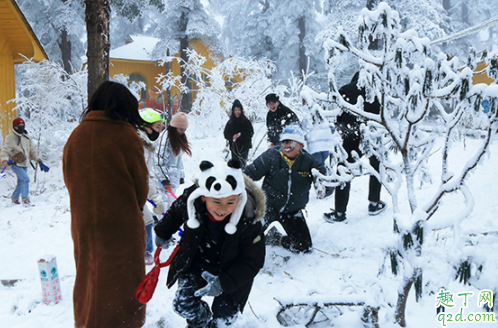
(51, 101)
(215, 89)
(427, 100)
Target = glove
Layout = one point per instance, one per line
(43, 167)
(159, 205)
(182, 180)
(213, 288)
(163, 243)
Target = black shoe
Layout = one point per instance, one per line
(376, 208)
(334, 217)
(273, 237)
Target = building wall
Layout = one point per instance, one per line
(7, 86)
(481, 78)
(150, 71)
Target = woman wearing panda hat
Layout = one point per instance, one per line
(222, 247)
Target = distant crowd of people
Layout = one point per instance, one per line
(122, 167)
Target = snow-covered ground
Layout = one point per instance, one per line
(344, 266)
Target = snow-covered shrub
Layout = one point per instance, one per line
(427, 100)
(215, 89)
(51, 101)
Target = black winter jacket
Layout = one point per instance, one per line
(278, 176)
(276, 121)
(244, 142)
(242, 254)
(349, 124)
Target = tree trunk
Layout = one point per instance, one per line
(465, 12)
(302, 49)
(97, 13)
(168, 93)
(402, 298)
(447, 4)
(184, 105)
(65, 47)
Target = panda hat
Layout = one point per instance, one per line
(219, 180)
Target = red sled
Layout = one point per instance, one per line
(147, 287)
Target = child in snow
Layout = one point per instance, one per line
(221, 248)
(287, 181)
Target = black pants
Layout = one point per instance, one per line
(298, 239)
(374, 186)
(197, 311)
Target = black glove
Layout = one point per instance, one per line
(43, 167)
(182, 180)
(164, 244)
(213, 288)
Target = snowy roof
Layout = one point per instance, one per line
(140, 49)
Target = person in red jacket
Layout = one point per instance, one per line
(222, 247)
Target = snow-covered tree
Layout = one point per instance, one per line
(179, 24)
(59, 25)
(233, 78)
(426, 100)
(282, 31)
(52, 101)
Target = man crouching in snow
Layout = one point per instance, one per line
(287, 172)
(222, 248)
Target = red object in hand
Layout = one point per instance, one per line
(147, 287)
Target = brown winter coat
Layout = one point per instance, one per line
(17, 143)
(107, 180)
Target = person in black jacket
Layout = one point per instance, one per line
(239, 131)
(222, 247)
(278, 117)
(287, 180)
(348, 126)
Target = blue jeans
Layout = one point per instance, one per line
(321, 156)
(149, 248)
(22, 187)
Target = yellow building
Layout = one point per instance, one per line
(17, 39)
(481, 78)
(134, 59)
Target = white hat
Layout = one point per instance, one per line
(218, 181)
(292, 132)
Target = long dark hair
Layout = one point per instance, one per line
(234, 118)
(117, 102)
(178, 142)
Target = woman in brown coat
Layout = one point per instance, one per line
(107, 180)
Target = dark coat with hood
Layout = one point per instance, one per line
(107, 180)
(286, 188)
(276, 121)
(242, 254)
(239, 124)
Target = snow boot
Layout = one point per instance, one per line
(26, 202)
(334, 216)
(375, 208)
(15, 201)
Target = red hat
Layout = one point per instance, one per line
(17, 121)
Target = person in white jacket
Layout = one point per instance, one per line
(169, 167)
(319, 139)
(18, 150)
(149, 133)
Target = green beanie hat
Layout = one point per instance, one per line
(151, 116)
